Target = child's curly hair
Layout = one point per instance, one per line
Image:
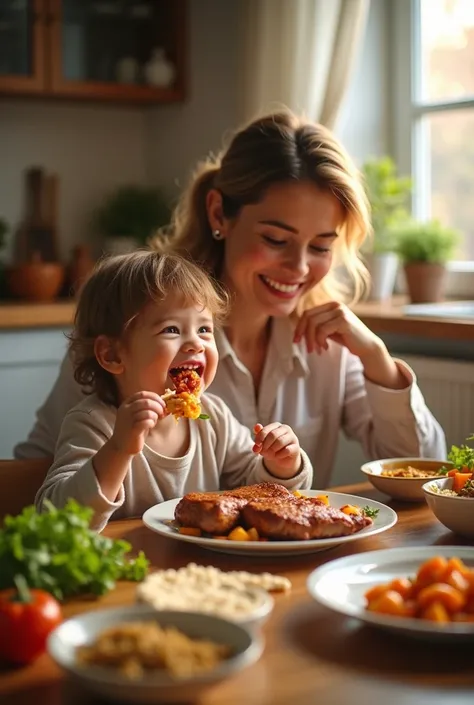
(117, 291)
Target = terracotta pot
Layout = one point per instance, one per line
(426, 281)
(36, 281)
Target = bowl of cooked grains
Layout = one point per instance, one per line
(403, 478)
(452, 508)
(139, 655)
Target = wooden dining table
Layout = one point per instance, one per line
(311, 654)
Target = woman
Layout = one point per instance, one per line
(272, 217)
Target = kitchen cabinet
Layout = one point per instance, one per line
(92, 49)
(29, 364)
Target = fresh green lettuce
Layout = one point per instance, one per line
(57, 551)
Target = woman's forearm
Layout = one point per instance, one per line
(381, 369)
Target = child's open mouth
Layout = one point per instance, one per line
(187, 378)
(199, 369)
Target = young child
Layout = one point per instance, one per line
(141, 320)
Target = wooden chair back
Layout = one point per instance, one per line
(20, 480)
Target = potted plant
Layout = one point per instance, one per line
(129, 216)
(424, 249)
(388, 196)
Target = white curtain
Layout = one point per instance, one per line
(300, 53)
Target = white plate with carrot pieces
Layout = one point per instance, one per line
(423, 592)
(245, 540)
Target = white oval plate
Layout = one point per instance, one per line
(340, 585)
(157, 519)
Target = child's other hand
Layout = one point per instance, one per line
(280, 448)
(135, 417)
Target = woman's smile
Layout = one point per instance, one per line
(281, 289)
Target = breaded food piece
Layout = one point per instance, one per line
(300, 520)
(183, 405)
(184, 401)
(209, 511)
(264, 489)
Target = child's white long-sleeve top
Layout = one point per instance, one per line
(219, 457)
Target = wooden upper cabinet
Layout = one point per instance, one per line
(129, 51)
(22, 46)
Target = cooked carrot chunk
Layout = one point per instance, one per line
(189, 531)
(238, 534)
(436, 612)
(452, 600)
(390, 602)
(350, 509)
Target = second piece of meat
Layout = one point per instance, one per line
(300, 520)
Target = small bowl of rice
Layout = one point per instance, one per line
(455, 512)
(134, 654)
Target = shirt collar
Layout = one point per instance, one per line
(283, 349)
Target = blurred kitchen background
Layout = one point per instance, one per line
(106, 105)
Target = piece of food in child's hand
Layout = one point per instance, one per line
(183, 402)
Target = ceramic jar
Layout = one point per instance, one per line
(159, 71)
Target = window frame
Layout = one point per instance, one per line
(408, 109)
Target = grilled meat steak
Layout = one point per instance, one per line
(271, 509)
(209, 511)
(300, 520)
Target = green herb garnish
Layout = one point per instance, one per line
(461, 457)
(56, 551)
(369, 512)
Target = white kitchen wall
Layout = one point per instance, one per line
(179, 135)
(91, 147)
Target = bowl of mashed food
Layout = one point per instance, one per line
(403, 478)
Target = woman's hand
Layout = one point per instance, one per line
(335, 321)
(280, 448)
(135, 417)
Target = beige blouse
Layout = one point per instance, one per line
(316, 395)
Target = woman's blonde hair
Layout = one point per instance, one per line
(274, 149)
(114, 295)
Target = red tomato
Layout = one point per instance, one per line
(26, 619)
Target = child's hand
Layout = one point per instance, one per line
(279, 446)
(135, 417)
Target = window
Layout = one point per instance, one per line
(435, 65)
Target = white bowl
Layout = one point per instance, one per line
(159, 687)
(456, 513)
(408, 489)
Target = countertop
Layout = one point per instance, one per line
(386, 317)
(20, 315)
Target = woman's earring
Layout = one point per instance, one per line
(217, 235)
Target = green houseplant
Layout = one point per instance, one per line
(130, 215)
(424, 249)
(388, 195)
